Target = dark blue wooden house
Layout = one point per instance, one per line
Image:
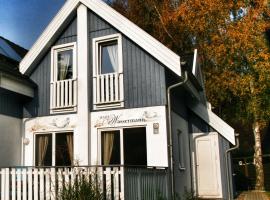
(98, 94)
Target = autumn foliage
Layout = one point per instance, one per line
(232, 39)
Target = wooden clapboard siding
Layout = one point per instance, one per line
(144, 76)
(40, 105)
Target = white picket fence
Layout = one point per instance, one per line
(30, 183)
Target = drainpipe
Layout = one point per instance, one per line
(170, 145)
(228, 168)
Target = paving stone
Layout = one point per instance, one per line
(253, 195)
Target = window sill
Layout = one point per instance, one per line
(63, 110)
(110, 105)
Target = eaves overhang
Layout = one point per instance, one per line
(213, 120)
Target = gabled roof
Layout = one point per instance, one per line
(214, 121)
(121, 23)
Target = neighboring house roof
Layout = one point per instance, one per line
(11, 50)
(10, 77)
(214, 121)
(121, 23)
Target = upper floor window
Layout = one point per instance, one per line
(108, 57)
(108, 72)
(64, 65)
(63, 78)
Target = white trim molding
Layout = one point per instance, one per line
(121, 23)
(108, 89)
(214, 121)
(83, 88)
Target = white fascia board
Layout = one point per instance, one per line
(214, 121)
(48, 35)
(136, 34)
(121, 23)
(16, 86)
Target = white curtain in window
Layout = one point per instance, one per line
(113, 54)
(108, 139)
(42, 148)
(63, 64)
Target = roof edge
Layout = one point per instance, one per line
(47, 35)
(121, 23)
(214, 121)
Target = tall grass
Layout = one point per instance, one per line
(82, 189)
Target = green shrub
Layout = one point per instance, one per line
(81, 189)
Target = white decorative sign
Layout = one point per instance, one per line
(123, 118)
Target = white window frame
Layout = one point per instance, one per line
(53, 133)
(121, 132)
(54, 74)
(96, 70)
(60, 48)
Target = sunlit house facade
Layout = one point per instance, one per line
(101, 98)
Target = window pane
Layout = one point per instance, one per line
(135, 146)
(63, 149)
(110, 147)
(43, 150)
(109, 57)
(64, 65)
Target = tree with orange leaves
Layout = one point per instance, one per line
(234, 50)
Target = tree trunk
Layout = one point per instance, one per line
(258, 157)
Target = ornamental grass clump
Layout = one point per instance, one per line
(82, 189)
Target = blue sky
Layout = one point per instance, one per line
(22, 21)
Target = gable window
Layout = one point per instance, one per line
(63, 78)
(108, 72)
(54, 149)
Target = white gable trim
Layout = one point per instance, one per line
(47, 35)
(136, 34)
(214, 121)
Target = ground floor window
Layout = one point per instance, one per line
(54, 149)
(125, 146)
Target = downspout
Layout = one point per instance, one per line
(170, 145)
(228, 168)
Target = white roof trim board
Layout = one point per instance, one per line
(214, 121)
(121, 23)
(48, 33)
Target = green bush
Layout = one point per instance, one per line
(81, 189)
